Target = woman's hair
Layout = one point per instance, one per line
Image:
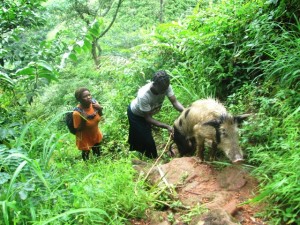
(161, 78)
(79, 92)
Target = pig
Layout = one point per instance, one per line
(208, 120)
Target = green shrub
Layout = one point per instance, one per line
(271, 142)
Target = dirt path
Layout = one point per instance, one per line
(207, 196)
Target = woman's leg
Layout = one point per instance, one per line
(140, 135)
(85, 155)
(149, 144)
(96, 150)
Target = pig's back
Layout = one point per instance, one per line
(200, 111)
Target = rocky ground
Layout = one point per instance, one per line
(202, 193)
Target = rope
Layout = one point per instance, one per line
(155, 163)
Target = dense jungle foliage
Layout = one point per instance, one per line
(243, 52)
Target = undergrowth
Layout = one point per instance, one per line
(271, 143)
(46, 182)
(245, 53)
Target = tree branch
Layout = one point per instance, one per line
(113, 20)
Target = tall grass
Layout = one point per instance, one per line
(271, 143)
(275, 145)
(247, 51)
(279, 166)
(18, 186)
(283, 64)
(39, 185)
(236, 48)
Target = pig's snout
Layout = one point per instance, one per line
(238, 160)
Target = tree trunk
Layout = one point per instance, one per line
(161, 13)
(96, 52)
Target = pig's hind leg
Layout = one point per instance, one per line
(200, 148)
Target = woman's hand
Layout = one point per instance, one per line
(97, 106)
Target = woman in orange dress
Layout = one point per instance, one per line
(88, 134)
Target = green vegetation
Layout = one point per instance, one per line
(245, 53)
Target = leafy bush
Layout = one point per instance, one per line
(245, 52)
(271, 142)
(34, 181)
(207, 46)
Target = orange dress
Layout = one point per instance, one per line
(90, 134)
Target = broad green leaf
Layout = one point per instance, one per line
(89, 37)
(26, 71)
(31, 64)
(95, 32)
(100, 21)
(88, 44)
(77, 49)
(4, 177)
(5, 77)
(73, 57)
(85, 49)
(48, 75)
(96, 24)
(45, 65)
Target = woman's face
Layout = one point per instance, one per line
(159, 88)
(86, 98)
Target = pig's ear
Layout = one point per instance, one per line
(213, 123)
(240, 118)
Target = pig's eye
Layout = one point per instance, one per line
(223, 132)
